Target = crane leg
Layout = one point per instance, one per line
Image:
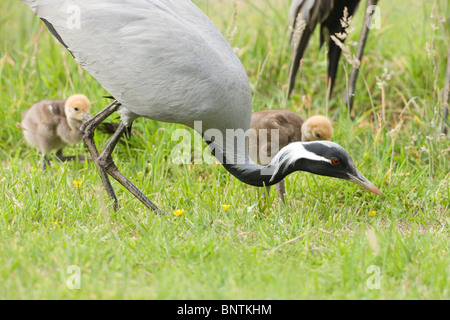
(106, 162)
(88, 129)
(350, 94)
(446, 99)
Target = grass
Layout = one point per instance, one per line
(321, 245)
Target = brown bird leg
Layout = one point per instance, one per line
(88, 129)
(44, 162)
(267, 193)
(281, 189)
(106, 162)
(80, 158)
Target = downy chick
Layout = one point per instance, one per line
(53, 124)
(316, 128)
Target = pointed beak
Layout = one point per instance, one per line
(87, 117)
(362, 181)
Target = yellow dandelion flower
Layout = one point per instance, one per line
(178, 212)
(77, 184)
(225, 206)
(372, 213)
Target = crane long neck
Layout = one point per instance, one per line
(257, 175)
(249, 172)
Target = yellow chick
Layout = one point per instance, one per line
(316, 128)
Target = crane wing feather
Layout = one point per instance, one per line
(311, 12)
(162, 59)
(304, 16)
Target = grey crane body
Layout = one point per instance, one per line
(164, 60)
(157, 38)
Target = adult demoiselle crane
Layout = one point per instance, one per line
(304, 15)
(165, 60)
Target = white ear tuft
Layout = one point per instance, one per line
(293, 152)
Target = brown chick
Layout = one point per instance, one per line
(53, 124)
(291, 128)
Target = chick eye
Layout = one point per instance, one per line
(335, 161)
(76, 109)
(318, 135)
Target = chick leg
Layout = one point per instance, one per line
(80, 158)
(88, 129)
(267, 193)
(280, 186)
(44, 162)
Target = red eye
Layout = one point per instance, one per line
(335, 161)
